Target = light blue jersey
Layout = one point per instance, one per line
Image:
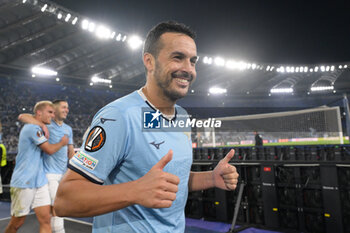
(118, 149)
(29, 169)
(57, 162)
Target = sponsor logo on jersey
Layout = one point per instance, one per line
(103, 120)
(156, 145)
(86, 160)
(95, 139)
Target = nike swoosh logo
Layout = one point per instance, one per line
(156, 145)
(103, 120)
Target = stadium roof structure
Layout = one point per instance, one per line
(37, 33)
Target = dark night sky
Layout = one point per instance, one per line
(261, 31)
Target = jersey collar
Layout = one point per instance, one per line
(166, 117)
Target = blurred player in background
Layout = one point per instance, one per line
(29, 187)
(55, 165)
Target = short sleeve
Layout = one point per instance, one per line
(36, 135)
(104, 146)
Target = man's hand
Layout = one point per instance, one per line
(225, 176)
(64, 140)
(157, 189)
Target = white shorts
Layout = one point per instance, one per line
(54, 181)
(22, 200)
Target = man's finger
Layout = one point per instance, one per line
(228, 170)
(171, 178)
(164, 161)
(229, 156)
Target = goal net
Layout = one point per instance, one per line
(318, 125)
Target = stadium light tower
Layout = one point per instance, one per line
(217, 90)
(135, 42)
(96, 79)
(281, 90)
(42, 71)
(322, 88)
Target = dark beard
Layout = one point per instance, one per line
(171, 95)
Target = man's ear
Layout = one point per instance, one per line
(149, 62)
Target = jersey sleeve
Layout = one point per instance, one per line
(36, 135)
(104, 146)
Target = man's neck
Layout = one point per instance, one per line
(59, 122)
(38, 119)
(158, 100)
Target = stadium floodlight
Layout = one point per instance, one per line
(92, 27)
(253, 66)
(306, 69)
(74, 21)
(217, 90)
(95, 79)
(103, 32)
(332, 68)
(230, 64)
(67, 17)
(268, 68)
(311, 70)
(297, 69)
(135, 42)
(327, 68)
(85, 24)
(281, 90)
(24, 1)
(322, 88)
(219, 61)
(345, 66)
(91, 84)
(323, 69)
(43, 71)
(59, 16)
(340, 67)
(119, 37)
(124, 38)
(316, 69)
(207, 60)
(112, 35)
(242, 65)
(57, 79)
(192, 91)
(44, 8)
(110, 86)
(272, 67)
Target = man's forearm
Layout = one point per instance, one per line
(200, 181)
(77, 198)
(29, 119)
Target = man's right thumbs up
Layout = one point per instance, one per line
(164, 160)
(157, 189)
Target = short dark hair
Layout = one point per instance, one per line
(152, 44)
(55, 102)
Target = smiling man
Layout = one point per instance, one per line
(131, 172)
